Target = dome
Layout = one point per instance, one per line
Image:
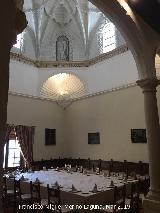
(66, 30)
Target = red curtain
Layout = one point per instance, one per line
(25, 136)
(9, 129)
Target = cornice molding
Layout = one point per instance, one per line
(62, 64)
(80, 98)
(126, 86)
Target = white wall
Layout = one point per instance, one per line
(41, 114)
(113, 115)
(23, 79)
(114, 72)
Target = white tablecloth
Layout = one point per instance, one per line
(83, 183)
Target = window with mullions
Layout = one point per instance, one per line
(107, 37)
(12, 153)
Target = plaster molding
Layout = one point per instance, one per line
(114, 89)
(62, 64)
(129, 85)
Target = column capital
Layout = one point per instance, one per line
(148, 84)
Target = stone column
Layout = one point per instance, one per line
(152, 202)
(12, 22)
(7, 17)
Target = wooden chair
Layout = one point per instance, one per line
(7, 195)
(19, 197)
(119, 198)
(35, 192)
(146, 185)
(133, 199)
(54, 199)
(118, 202)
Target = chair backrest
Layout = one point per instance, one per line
(134, 193)
(17, 189)
(146, 185)
(4, 185)
(35, 192)
(53, 195)
(119, 196)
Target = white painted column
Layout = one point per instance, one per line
(152, 202)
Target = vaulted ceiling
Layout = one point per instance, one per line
(46, 18)
(79, 20)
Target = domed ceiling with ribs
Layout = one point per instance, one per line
(79, 21)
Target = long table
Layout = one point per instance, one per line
(84, 183)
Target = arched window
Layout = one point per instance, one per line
(107, 37)
(62, 48)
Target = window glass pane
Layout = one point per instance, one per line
(12, 143)
(11, 153)
(14, 153)
(109, 38)
(17, 160)
(10, 162)
(17, 153)
(17, 144)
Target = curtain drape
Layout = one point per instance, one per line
(25, 136)
(9, 129)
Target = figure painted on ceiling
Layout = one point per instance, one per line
(62, 49)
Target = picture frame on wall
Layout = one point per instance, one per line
(138, 136)
(50, 136)
(94, 138)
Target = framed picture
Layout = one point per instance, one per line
(138, 136)
(94, 138)
(50, 136)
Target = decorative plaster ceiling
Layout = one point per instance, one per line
(78, 20)
(63, 87)
(58, 10)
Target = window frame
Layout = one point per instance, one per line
(12, 136)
